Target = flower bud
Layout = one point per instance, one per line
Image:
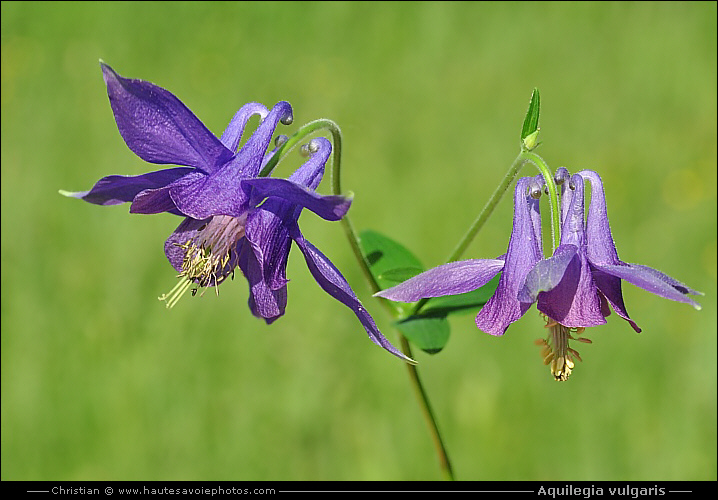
(530, 140)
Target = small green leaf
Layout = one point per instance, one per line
(389, 262)
(465, 302)
(529, 132)
(400, 275)
(429, 332)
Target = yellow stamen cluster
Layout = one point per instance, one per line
(555, 350)
(207, 257)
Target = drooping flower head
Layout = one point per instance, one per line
(233, 218)
(573, 288)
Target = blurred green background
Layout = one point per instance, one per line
(100, 381)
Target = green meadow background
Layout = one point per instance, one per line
(100, 381)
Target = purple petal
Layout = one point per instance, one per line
(264, 301)
(332, 281)
(200, 196)
(248, 161)
(116, 189)
(535, 218)
(158, 127)
(233, 133)
(600, 246)
(154, 201)
(448, 279)
(328, 207)
(186, 231)
(267, 232)
(221, 193)
(652, 280)
(609, 288)
(603, 257)
(573, 228)
(524, 251)
(574, 301)
(547, 273)
(310, 174)
(566, 197)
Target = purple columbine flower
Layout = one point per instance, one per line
(573, 288)
(232, 216)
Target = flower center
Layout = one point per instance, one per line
(209, 257)
(555, 349)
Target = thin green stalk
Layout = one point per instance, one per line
(413, 371)
(552, 194)
(292, 141)
(428, 413)
(356, 248)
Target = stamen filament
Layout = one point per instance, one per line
(176, 293)
(555, 350)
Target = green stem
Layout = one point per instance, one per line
(292, 141)
(552, 194)
(428, 413)
(356, 248)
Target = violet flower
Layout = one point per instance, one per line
(219, 194)
(573, 288)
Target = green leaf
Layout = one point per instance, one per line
(389, 262)
(400, 275)
(529, 132)
(429, 332)
(392, 263)
(465, 302)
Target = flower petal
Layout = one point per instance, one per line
(524, 251)
(547, 273)
(652, 280)
(600, 246)
(609, 269)
(116, 189)
(233, 133)
(574, 301)
(248, 161)
(448, 279)
(264, 302)
(158, 127)
(609, 288)
(267, 232)
(328, 207)
(154, 201)
(311, 172)
(186, 231)
(332, 281)
(221, 193)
